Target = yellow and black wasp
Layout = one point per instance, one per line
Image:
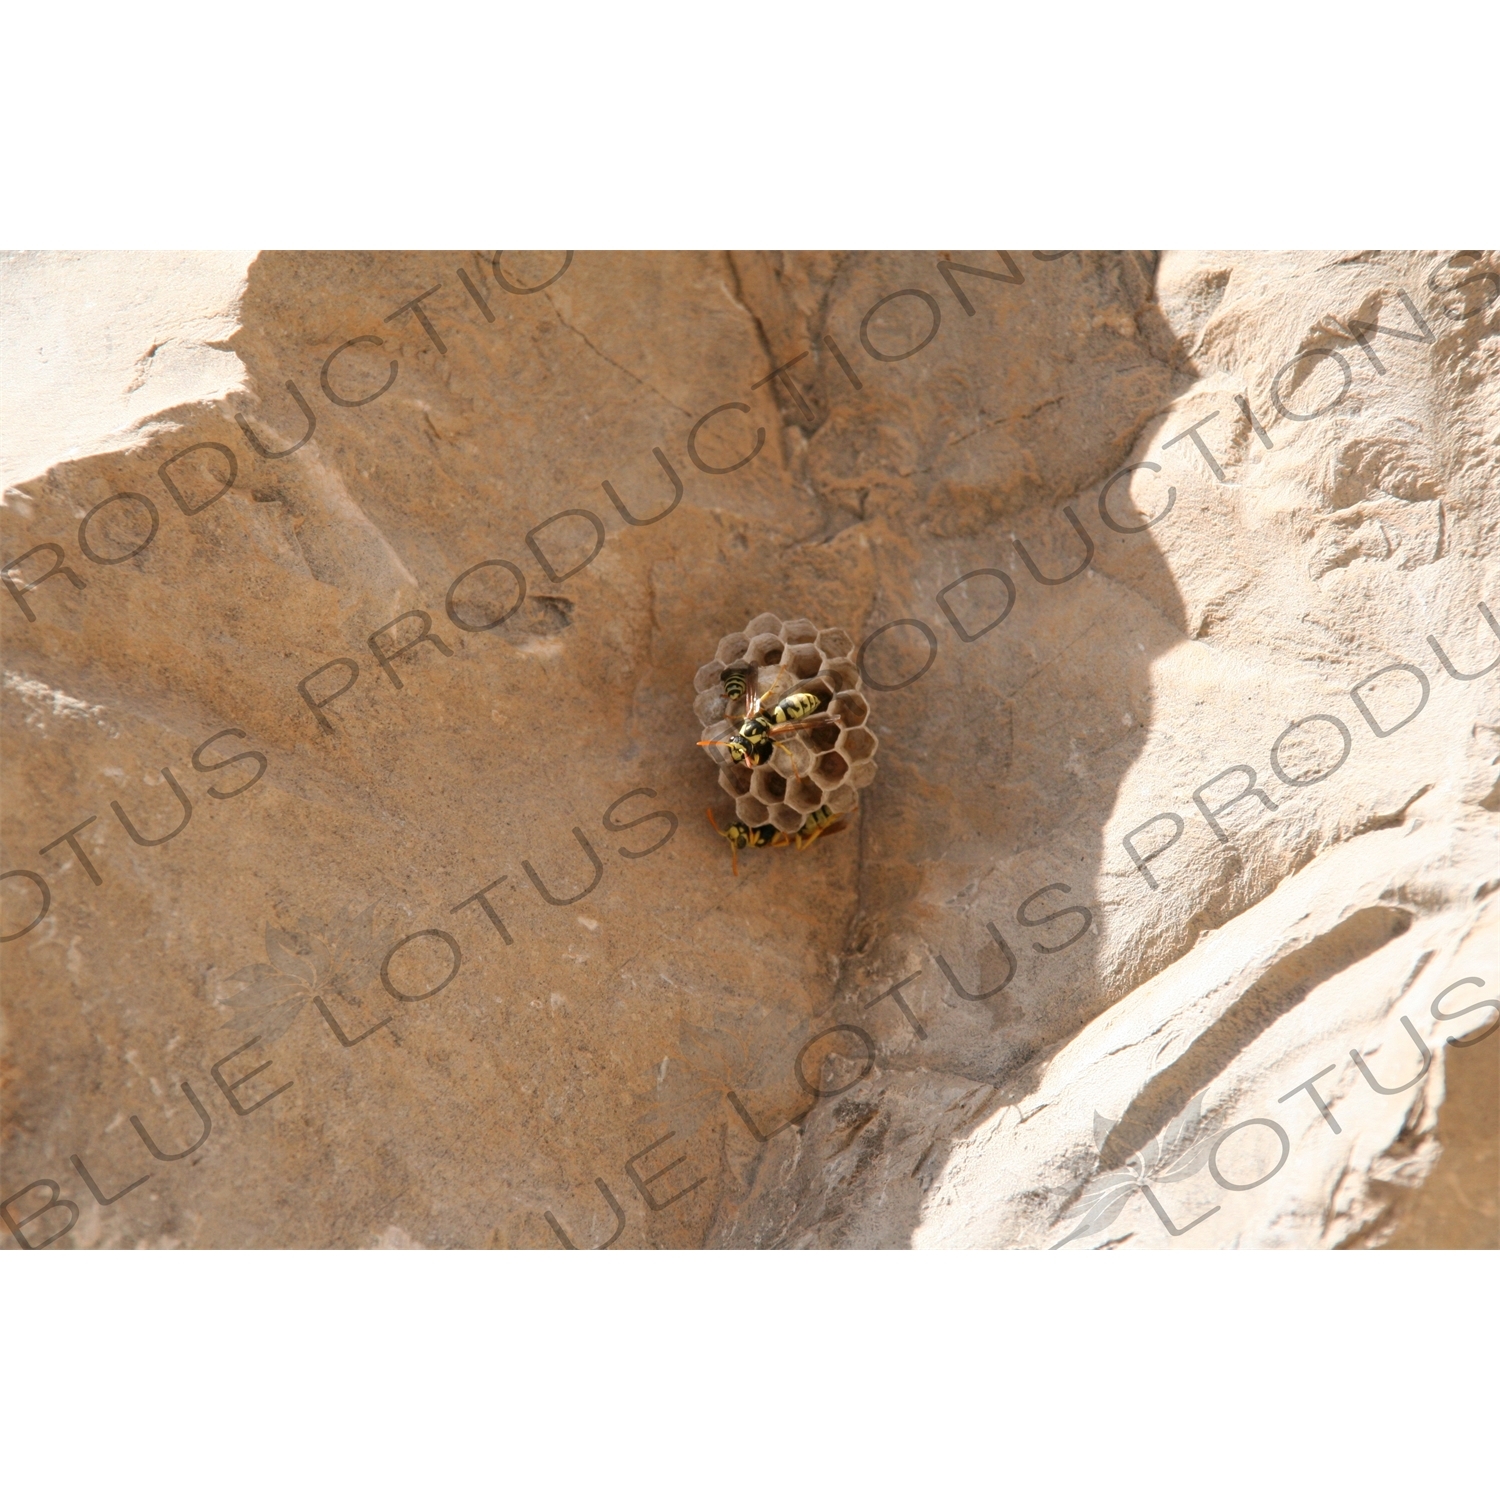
(734, 679)
(754, 742)
(817, 824)
(742, 836)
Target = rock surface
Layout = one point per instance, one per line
(448, 956)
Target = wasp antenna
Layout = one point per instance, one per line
(708, 813)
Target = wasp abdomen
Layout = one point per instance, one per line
(797, 706)
(734, 679)
(817, 819)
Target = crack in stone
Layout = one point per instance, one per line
(615, 363)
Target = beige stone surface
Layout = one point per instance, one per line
(620, 1042)
(94, 344)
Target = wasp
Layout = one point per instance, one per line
(753, 743)
(816, 824)
(734, 679)
(743, 836)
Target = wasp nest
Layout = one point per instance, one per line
(823, 765)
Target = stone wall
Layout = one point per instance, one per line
(354, 611)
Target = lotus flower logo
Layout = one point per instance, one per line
(338, 958)
(1175, 1154)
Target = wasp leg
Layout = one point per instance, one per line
(789, 764)
(826, 831)
(794, 773)
(734, 853)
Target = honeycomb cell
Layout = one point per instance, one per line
(798, 632)
(842, 673)
(794, 755)
(707, 677)
(821, 737)
(830, 769)
(764, 650)
(710, 707)
(842, 799)
(858, 744)
(803, 661)
(732, 649)
(751, 810)
(768, 785)
(835, 643)
(734, 779)
(764, 625)
(849, 709)
(805, 796)
(821, 686)
(787, 819)
(861, 774)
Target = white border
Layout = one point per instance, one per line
(682, 125)
(361, 1373)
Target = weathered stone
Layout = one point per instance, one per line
(447, 570)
